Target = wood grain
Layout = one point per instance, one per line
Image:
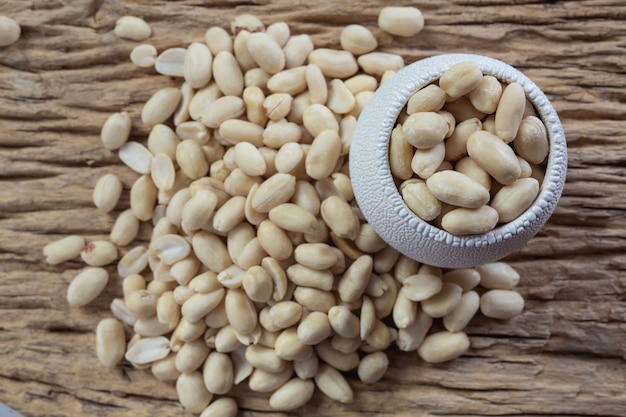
(563, 356)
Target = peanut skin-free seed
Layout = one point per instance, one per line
(86, 286)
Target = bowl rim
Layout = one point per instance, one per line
(371, 138)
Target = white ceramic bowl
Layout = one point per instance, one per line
(383, 206)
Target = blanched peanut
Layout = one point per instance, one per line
(466, 221)
(424, 129)
(266, 52)
(314, 328)
(430, 98)
(464, 311)
(110, 342)
(340, 99)
(63, 249)
(531, 141)
(510, 112)
(334, 63)
(378, 63)
(460, 79)
(297, 49)
(456, 145)
(86, 286)
(290, 81)
(470, 168)
(457, 189)
(340, 217)
(420, 200)
(426, 161)
(227, 74)
(421, 286)
(357, 39)
(486, 95)
(401, 21)
(293, 394)
(498, 275)
(373, 367)
(444, 302)
(323, 156)
(466, 278)
(443, 346)
(511, 200)
(501, 304)
(494, 156)
(332, 383)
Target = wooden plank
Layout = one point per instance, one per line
(563, 356)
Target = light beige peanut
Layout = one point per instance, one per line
(470, 168)
(290, 81)
(252, 254)
(411, 337)
(235, 130)
(466, 278)
(324, 153)
(401, 21)
(238, 183)
(306, 368)
(465, 310)
(380, 338)
(143, 196)
(421, 200)
(110, 342)
(462, 109)
(316, 84)
(238, 238)
(265, 359)
(99, 253)
(191, 159)
(424, 130)
(466, 221)
(227, 74)
(107, 192)
(354, 280)
(115, 130)
(199, 305)
(314, 328)
(218, 39)
(276, 106)
(163, 139)
(160, 107)
(10, 31)
(289, 157)
(211, 251)
(335, 358)
(132, 28)
(285, 314)
(266, 52)
(318, 256)
(400, 154)
(332, 383)
(192, 393)
(181, 114)
(167, 309)
(258, 285)
(494, 156)
(443, 346)
(289, 347)
(240, 50)
(300, 103)
(292, 395)
(455, 188)
(164, 369)
(360, 83)
(226, 340)
(531, 141)
(133, 262)
(170, 62)
(404, 311)
(191, 356)
(385, 259)
(501, 304)
(230, 214)
(63, 249)
(249, 159)
(276, 135)
(263, 381)
(367, 317)
(456, 145)
(357, 39)
(426, 161)
(428, 99)
(240, 311)
(373, 367)
(273, 192)
(486, 95)
(132, 283)
(141, 302)
(421, 286)
(253, 98)
(512, 199)
(297, 49)
(334, 63)
(221, 407)
(170, 248)
(221, 109)
(247, 22)
(279, 31)
(218, 373)
(460, 79)
(340, 217)
(510, 112)
(314, 299)
(293, 218)
(217, 317)
(318, 118)
(198, 65)
(274, 240)
(202, 98)
(147, 349)
(498, 275)
(377, 63)
(444, 302)
(340, 99)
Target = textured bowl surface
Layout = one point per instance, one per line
(381, 202)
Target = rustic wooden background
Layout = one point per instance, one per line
(563, 356)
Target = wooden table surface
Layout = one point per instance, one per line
(563, 356)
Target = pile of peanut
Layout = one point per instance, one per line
(260, 268)
(451, 152)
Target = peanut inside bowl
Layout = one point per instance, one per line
(378, 189)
